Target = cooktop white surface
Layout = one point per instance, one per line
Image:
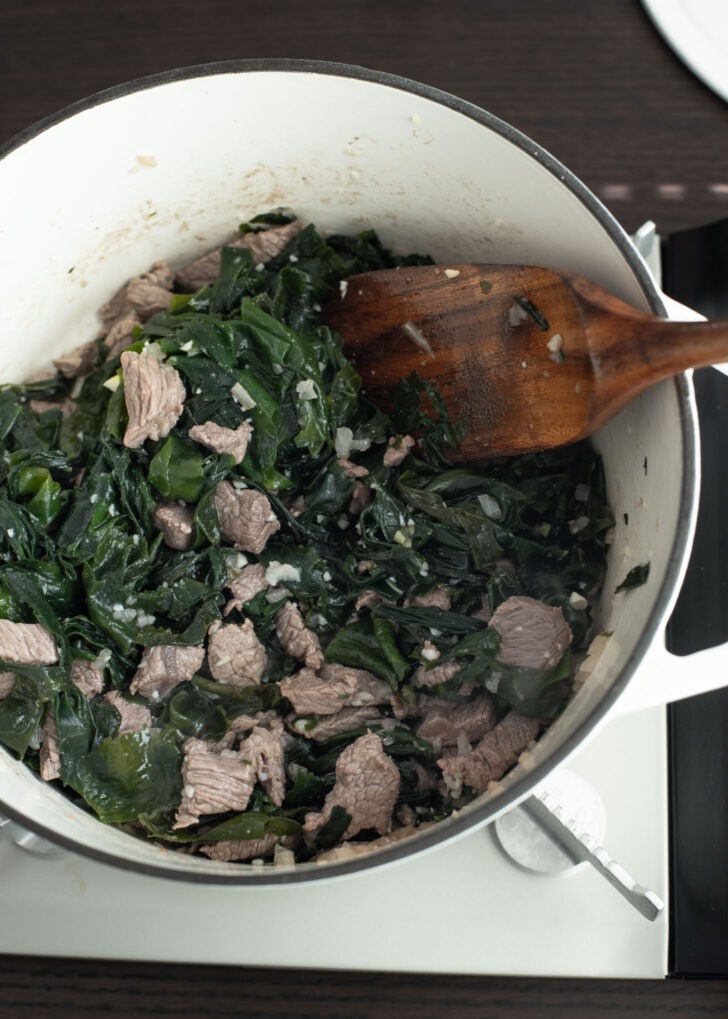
(462, 908)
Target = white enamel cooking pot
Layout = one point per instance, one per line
(166, 168)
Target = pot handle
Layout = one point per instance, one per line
(663, 677)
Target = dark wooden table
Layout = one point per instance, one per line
(593, 83)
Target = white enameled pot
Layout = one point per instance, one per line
(166, 167)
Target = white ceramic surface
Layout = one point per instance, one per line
(168, 167)
(697, 30)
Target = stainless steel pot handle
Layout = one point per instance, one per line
(581, 847)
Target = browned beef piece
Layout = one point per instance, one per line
(249, 582)
(164, 666)
(367, 787)
(49, 759)
(263, 246)
(234, 654)
(216, 780)
(332, 725)
(66, 407)
(332, 688)
(79, 361)
(444, 721)
(154, 395)
(26, 644)
(397, 449)
(494, 755)
(144, 295)
(533, 635)
(177, 524)
(134, 717)
(88, 677)
(223, 440)
(7, 682)
(246, 517)
(264, 749)
(296, 638)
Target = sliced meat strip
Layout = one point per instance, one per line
(7, 682)
(234, 654)
(49, 758)
(250, 581)
(263, 245)
(79, 361)
(177, 524)
(533, 635)
(216, 780)
(223, 440)
(367, 786)
(26, 644)
(264, 749)
(88, 677)
(332, 725)
(444, 721)
(154, 395)
(494, 755)
(163, 666)
(438, 598)
(230, 850)
(143, 295)
(134, 717)
(121, 333)
(332, 688)
(246, 517)
(296, 638)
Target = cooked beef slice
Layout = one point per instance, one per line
(431, 675)
(144, 295)
(332, 688)
(223, 440)
(134, 717)
(234, 654)
(88, 677)
(397, 449)
(361, 496)
(249, 582)
(177, 524)
(332, 725)
(216, 780)
(79, 361)
(494, 755)
(49, 758)
(264, 749)
(154, 395)
(352, 470)
(533, 635)
(240, 849)
(296, 638)
(26, 644)
(263, 246)
(121, 334)
(367, 787)
(437, 598)
(246, 517)
(7, 682)
(164, 666)
(444, 721)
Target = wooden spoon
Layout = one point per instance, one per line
(527, 358)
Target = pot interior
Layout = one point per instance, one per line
(168, 167)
